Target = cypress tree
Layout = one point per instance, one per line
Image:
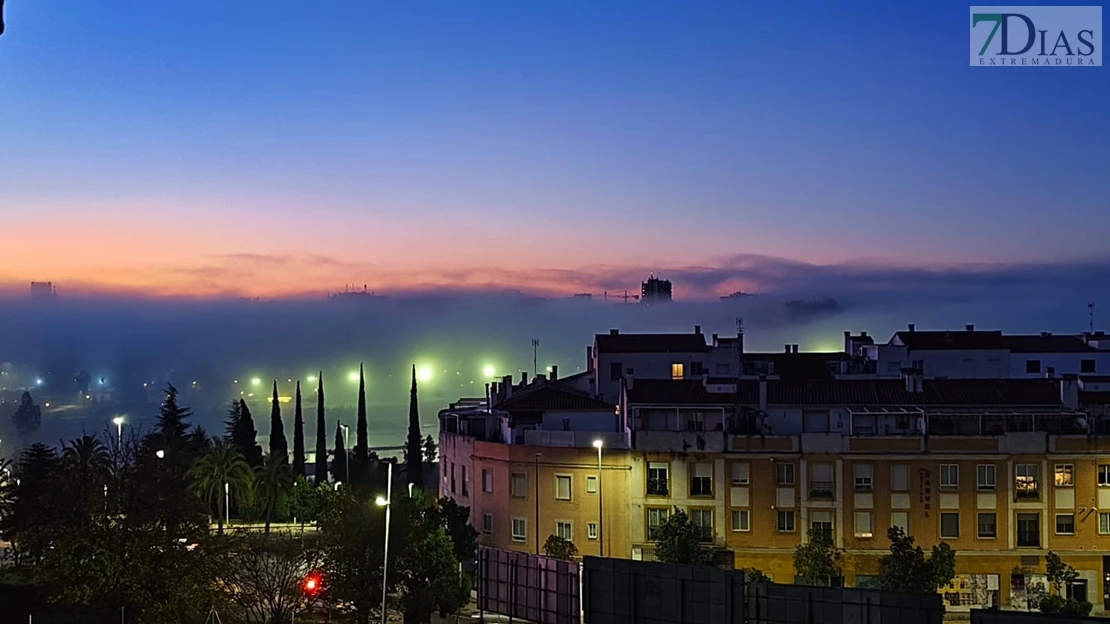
(362, 444)
(321, 434)
(298, 436)
(414, 445)
(242, 434)
(279, 446)
(339, 459)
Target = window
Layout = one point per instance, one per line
(899, 478)
(655, 519)
(519, 485)
(591, 530)
(821, 522)
(677, 371)
(949, 476)
(785, 521)
(1065, 475)
(487, 480)
(487, 524)
(564, 530)
(566, 424)
(864, 424)
(821, 481)
(1065, 524)
(1104, 475)
(695, 421)
(949, 525)
(721, 369)
(986, 476)
(1032, 366)
(702, 519)
(520, 529)
(1025, 480)
(658, 479)
(863, 524)
(697, 369)
(900, 519)
(863, 477)
(1029, 530)
(741, 520)
(1086, 366)
(988, 525)
(452, 477)
(464, 482)
(740, 473)
(815, 422)
(591, 485)
(1104, 523)
(701, 479)
(615, 371)
(784, 473)
(562, 487)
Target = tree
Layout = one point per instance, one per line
(298, 436)
(679, 541)
(431, 453)
(240, 432)
(271, 481)
(414, 451)
(307, 500)
(27, 417)
(263, 578)
(560, 548)
(1061, 576)
(279, 446)
(351, 534)
(362, 435)
(221, 467)
(321, 434)
(340, 459)
(755, 575)
(818, 561)
(907, 569)
(431, 580)
(455, 519)
(172, 424)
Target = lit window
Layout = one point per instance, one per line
(677, 371)
(1065, 475)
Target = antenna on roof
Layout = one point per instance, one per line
(1091, 317)
(535, 356)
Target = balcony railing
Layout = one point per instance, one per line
(820, 489)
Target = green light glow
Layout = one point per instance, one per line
(423, 373)
(352, 376)
(256, 381)
(488, 371)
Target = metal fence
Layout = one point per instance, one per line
(528, 587)
(617, 591)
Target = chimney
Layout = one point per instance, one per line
(863, 334)
(506, 386)
(614, 332)
(969, 327)
(1050, 372)
(523, 378)
(628, 381)
(697, 329)
(762, 393)
(489, 401)
(589, 358)
(786, 348)
(794, 349)
(911, 327)
(847, 335)
(714, 340)
(554, 373)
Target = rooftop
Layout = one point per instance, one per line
(616, 342)
(969, 339)
(547, 397)
(1048, 343)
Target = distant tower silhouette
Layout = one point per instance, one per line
(655, 290)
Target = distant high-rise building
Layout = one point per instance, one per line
(43, 290)
(655, 290)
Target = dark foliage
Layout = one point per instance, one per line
(414, 444)
(298, 436)
(279, 446)
(242, 433)
(321, 435)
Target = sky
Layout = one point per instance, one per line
(274, 148)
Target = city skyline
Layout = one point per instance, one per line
(213, 150)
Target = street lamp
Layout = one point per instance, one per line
(386, 502)
(160, 454)
(600, 510)
(118, 422)
(227, 503)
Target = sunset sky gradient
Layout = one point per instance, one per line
(271, 148)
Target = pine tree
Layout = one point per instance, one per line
(321, 434)
(414, 445)
(241, 433)
(362, 443)
(340, 460)
(279, 446)
(171, 419)
(298, 436)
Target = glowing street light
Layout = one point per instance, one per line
(423, 373)
(600, 515)
(387, 503)
(488, 371)
(118, 422)
(352, 376)
(255, 381)
(160, 454)
(311, 378)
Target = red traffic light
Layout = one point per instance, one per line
(312, 584)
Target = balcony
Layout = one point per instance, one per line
(679, 441)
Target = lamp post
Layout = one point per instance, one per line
(536, 528)
(118, 422)
(600, 509)
(386, 502)
(227, 504)
(346, 449)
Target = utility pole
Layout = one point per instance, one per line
(1091, 317)
(535, 356)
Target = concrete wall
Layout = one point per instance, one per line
(984, 616)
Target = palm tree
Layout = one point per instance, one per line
(271, 480)
(221, 466)
(88, 457)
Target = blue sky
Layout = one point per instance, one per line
(408, 140)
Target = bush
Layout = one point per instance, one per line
(1054, 604)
